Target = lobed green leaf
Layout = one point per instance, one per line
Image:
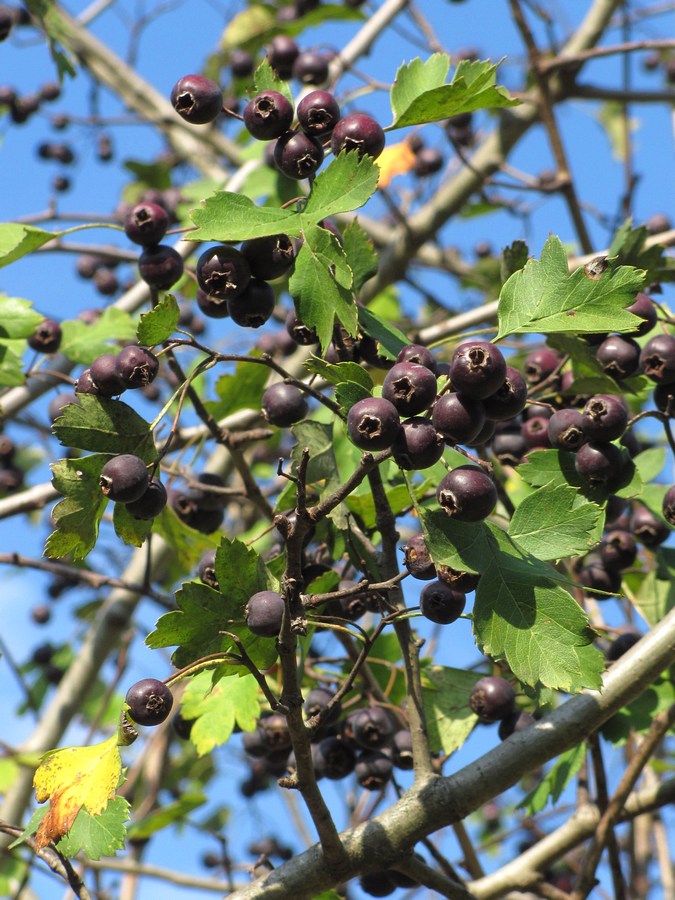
(78, 514)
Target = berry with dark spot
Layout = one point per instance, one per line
(284, 404)
(124, 478)
(149, 702)
(440, 603)
(46, 338)
(477, 368)
(222, 272)
(373, 423)
(197, 99)
(410, 387)
(268, 115)
(360, 133)
(467, 493)
(264, 612)
(160, 267)
(146, 224)
(492, 698)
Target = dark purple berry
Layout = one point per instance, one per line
(410, 387)
(417, 353)
(658, 359)
(281, 54)
(417, 445)
(317, 703)
(597, 577)
(206, 569)
(337, 758)
(358, 132)
(618, 549)
(371, 727)
(509, 400)
(150, 503)
(222, 272)
(310, 68)
(401, 750)
(84, 383)
(318, 113)
(242, 63)
(146, 224)
(647, 528)
(302, 334)
(283, 404)
(46, 338)
(541, 364)
(566, 429)
(599, 464)
(668, 506)
(107, 283)
(104, 375)
(269, 257)
(136, 366)
(149, 702)
(619, 356)
(373, 769)
(605, 417)
(212, 307)
(467, 493)
(535, 432)
(379, 883)
(513, 724)
(664, 399)
(373, 423)
(298, 155)
(477, 368)
(197, 99)
(643, 306)
(621, 645)
(417, 559)
(268, 115)
(254, 305)
(160, 267)
(124, 478)
(440, 604)
(509, 446)
(464, 582)
(492, 698)
(428, 161)
(264, 612)
(458, 417)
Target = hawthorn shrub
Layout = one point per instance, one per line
(314, 482)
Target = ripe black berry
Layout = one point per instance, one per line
(440, 604)
(160, 266)
(212, 307)
(599, 464)
(206, 569)
(371, 727)
(492, 698)
(302, 334)
(621, 645)
(647, 528)
(310, 68)
(281, 54)
(658, 359)
(619, 356)
(540, 364)
(264, 612)
(298, 155)
(377, 884)
(242, 63)
(373, 769)
(373, 423)
(46, 338)
(318, 113)
(417, 445)
(618, 549)
(253, 306)
(508, 400)
(516, 722)
(428, 161)
(336, 757)
(417, 559)
(149, 702)
(222, 272)
(643, 306)
(598, 577)
(283, 404)
(477, 368)
(136, 366)
(605, 417)
(151, 502)
(268, 115)
(146, 224)
(417, 353)
(317, 702)
(410, 387)
(269, 257)
(458, 417)
(197, 99)
(468, 494)
(124, 478)
(104, 375)
(358, 132)
(566, 429)
(668, 505)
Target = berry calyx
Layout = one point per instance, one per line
(373, 423)
(467, 493)
(298, 155)
(318, 113)
(197, 99)
(146, 224)
(360, 133)
(124, 478)
(148, 702)
(492, 698)
(268, 115)
(477, 368)
(222, 272)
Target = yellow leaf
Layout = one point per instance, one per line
(72, 778)
(394, 160)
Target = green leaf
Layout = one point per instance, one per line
(419, 93)
(556, 467)
(17, 318)
(266, 79)
(360, 254)
(187, 545)
(82, 341)
(445, 694)
(170, 814)
(11, 364)
(19, 240)
(650, 463)
(233, 217)
(544, 297)
(639, 715)
(77, 516)
(99, 835)
(105, 426)
(653, 592)
(203, 614)
(217, 708)
(159, 323)
(391, 339)
(316, 437)
(156, 175)
(612, 117)
(520, 613)
(349, 393)
(337, 373)
(514, 258)
(628, 246)
(241, 390)
(320, 285)
(555, 781)
(346, 184)
(57, 32)
(555, 522)
(131, 530)
(249, 25)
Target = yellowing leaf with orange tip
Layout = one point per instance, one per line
(394, 160)
(72, 778)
